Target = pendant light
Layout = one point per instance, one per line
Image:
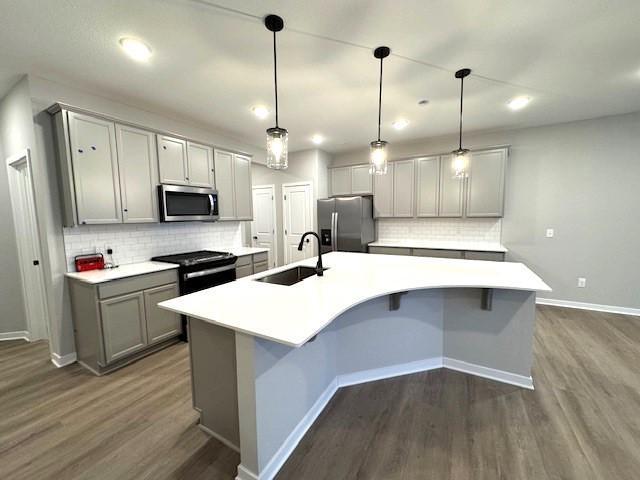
(461, 156)
(277, 138)
(379, 152)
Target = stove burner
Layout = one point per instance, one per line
(194, 258)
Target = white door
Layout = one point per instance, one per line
(297, 201)
(29, 249)
(263, 226)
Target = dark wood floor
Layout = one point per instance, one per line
(581, 422)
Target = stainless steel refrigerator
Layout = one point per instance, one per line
(346, 223)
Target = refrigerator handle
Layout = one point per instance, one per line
(334, 230)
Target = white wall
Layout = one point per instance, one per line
(580, 178)
(16, 134)
(307, 165)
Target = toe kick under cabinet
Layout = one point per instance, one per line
(117, 322)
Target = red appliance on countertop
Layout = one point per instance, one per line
(93, 261)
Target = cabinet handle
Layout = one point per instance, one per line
(164, 147)
(80, 150)
(125, 210)
(93, 147)
(186, 178)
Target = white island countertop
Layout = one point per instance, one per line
(442, 245)
(292, 315)
(123, 271)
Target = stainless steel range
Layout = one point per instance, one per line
(201, 270)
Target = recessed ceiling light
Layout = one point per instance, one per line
(400, 124)
(136, 49)
(260, 111)
(518, 103)
(317, 139)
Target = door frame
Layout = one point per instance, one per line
(309, 184)
(38, 326)
(275, 223)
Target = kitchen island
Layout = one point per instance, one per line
(266, 358)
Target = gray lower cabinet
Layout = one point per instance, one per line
(491, 256)
(119, 321)
(390, 250)
(440, 253)
(429, 252)
(251, 264)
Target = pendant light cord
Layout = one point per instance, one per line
(275, 74)
(461, 95)
(380, 101)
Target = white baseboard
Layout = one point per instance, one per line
(490, 373)
(63, 360)
(220, 438)
(286, 449)
(245, 474)
(374, 374)
(20, 335)
(589, 306)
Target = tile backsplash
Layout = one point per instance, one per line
(480, 230)
(138, 243)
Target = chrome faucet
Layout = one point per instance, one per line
(319, 269)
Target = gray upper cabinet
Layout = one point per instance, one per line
(403, 188)
(361, 180)
(200, 165)
(233, 182)
(161, 324)
(383, 193)
(123, 325)
(485, 183)
(427, 186)
(341, 181)
(242, 187)
(137, 163)
(451, 192)
(95, 169)
(172, 157)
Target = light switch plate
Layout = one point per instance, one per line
(550, 232)
(582, 282)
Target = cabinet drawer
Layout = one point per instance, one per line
(244, 260)
(244, 271)
(137, 283)
(427, 252)
(260, 267)
(390, 250)
(492, 256)
(260, 257)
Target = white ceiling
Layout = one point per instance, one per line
(575, 59)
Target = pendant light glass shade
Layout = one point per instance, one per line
(277, 138)
(461, 157)
(277, 148)
(379, 151)
(378, 157)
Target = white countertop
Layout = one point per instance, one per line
(442, 245)
(123, 271)
(242, 251)
(293, 314)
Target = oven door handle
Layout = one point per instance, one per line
(210, 271)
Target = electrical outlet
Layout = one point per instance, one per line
(582, 282)
(550, 232)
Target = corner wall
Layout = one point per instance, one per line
(579, 178)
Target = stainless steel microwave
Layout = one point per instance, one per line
(186, 204)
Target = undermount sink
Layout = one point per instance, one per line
(289, 277)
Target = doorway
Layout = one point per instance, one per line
(29, 247)
(297, 218)
(263, 226)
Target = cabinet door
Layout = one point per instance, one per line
(390, 251)
(341, 181)
(426, 252)
(383, 193)
(244, 271)
(361, 181)
(403, 188)
(200, 159)
(427, 184)
(223, 162)
(172, 157)
(451, 190)
(137, 163)
(485, 183)
(161, 324)
(242, 187)
(95, 169)
(123, 325)
(260, 267)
